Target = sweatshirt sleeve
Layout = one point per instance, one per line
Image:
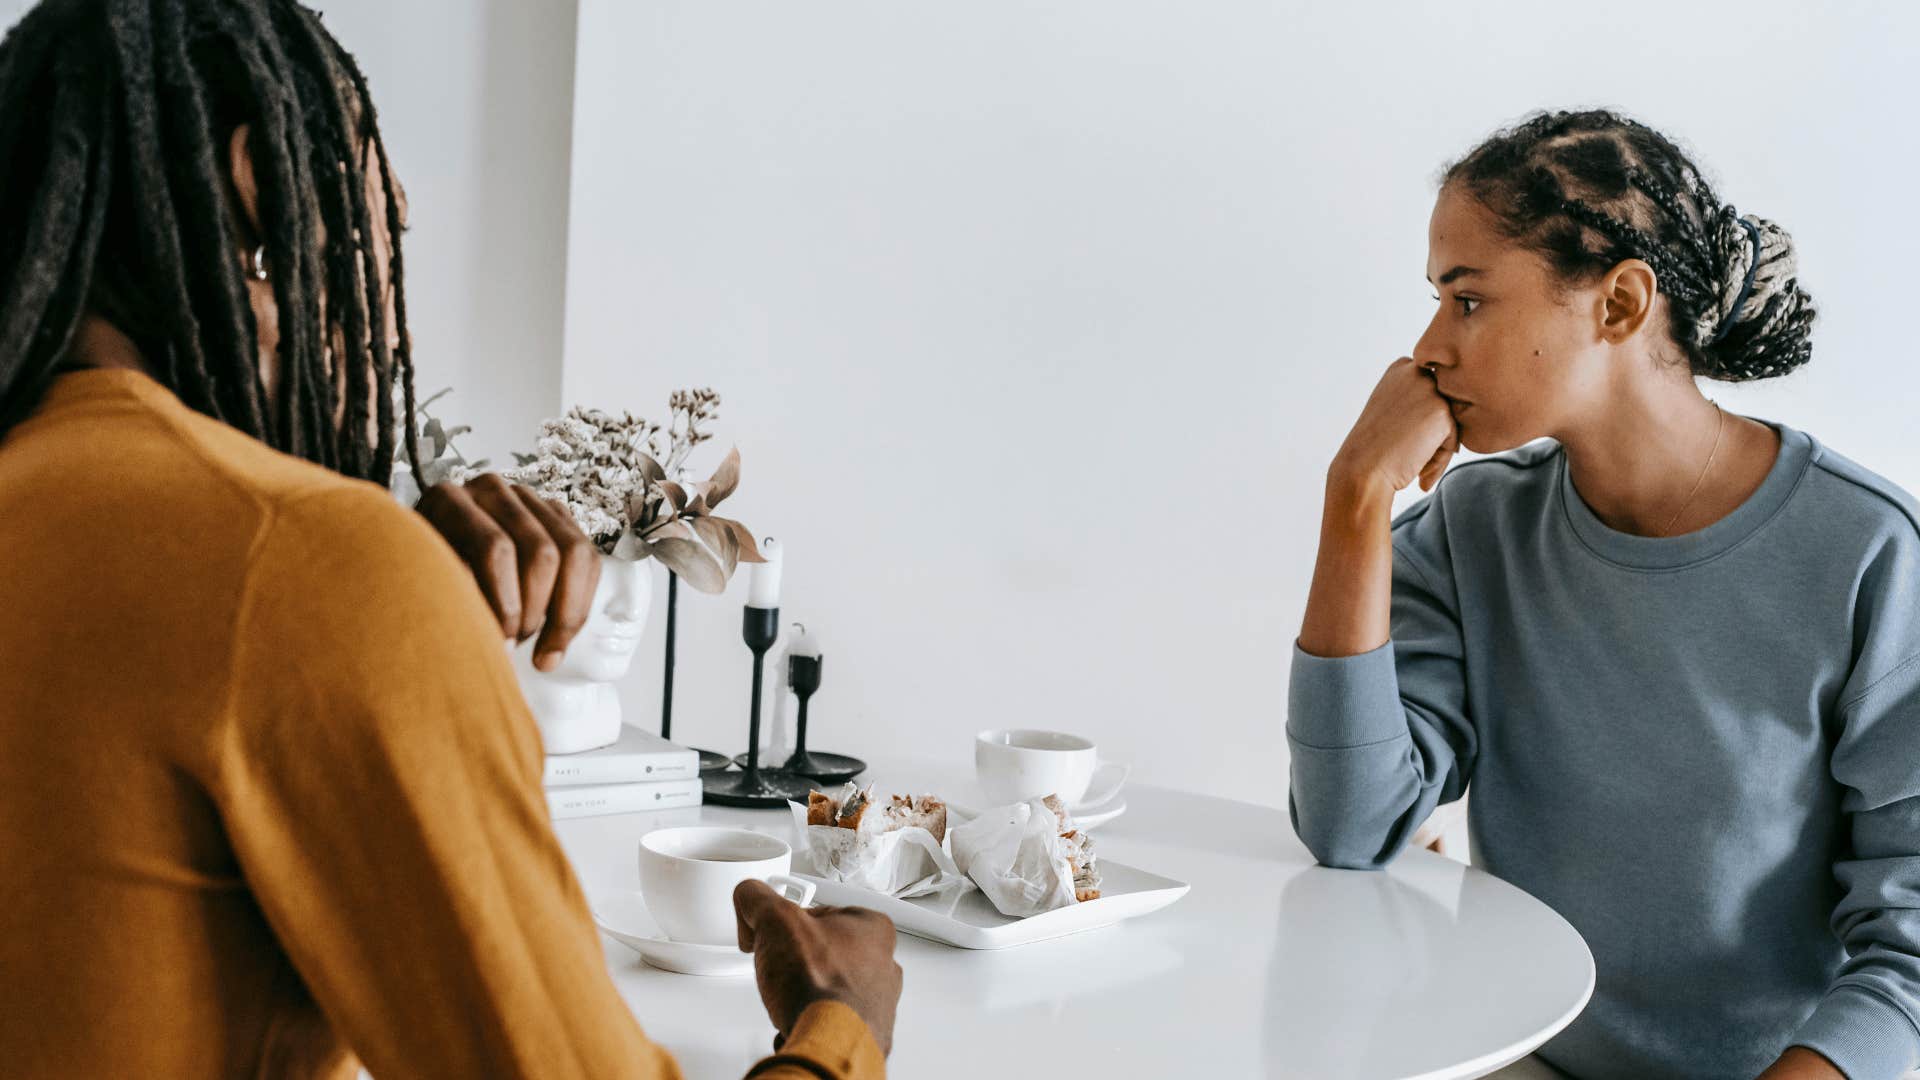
(1869, 1022)
(379, 779)
(830, 1042)
(1378, 740)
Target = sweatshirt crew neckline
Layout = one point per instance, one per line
(1688, 549)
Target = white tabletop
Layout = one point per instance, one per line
(1271, 967)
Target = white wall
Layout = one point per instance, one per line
(1038, 323)
(475, 101)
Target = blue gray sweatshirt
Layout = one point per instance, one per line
(1702, 750)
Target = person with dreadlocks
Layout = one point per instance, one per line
(1674, 651)
(270, 798)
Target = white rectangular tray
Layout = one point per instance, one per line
(969, 921)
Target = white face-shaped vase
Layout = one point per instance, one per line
(576, 704)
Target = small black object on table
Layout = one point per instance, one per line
(804, 662)
(754, 786)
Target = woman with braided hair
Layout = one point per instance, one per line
(270, 796)
(1675, 651)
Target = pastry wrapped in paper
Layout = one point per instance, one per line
(1027, 857)
(891, 847)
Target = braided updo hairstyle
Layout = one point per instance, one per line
(1589, 189)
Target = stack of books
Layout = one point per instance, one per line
(640, 772)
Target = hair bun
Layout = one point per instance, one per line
(1761, 324)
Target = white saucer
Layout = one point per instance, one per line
(1102, 788)
(1089, 817)
(623, 917)
(1093, 816)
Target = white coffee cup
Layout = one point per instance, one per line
(1017, 764)
(687, 878)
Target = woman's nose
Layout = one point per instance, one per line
(1431, 350)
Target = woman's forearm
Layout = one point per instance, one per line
(1800, 1063)
(1348, 603)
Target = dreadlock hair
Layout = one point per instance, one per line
(115, 118)
(1589, 189)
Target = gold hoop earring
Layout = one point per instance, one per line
(258, 268)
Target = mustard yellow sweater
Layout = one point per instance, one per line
(269, 795)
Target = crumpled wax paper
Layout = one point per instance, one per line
(904, 863)
(1015, 854)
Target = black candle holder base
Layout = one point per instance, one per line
(712, 761)
(758, 788)
(826, 768)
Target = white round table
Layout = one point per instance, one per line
(1271, 967)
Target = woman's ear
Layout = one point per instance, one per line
(240, 168)
(1627, 295)
(266, 314)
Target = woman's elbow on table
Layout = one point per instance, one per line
(1343, 841)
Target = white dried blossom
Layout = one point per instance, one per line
(590, 461)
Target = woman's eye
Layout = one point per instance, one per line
(1467, 304)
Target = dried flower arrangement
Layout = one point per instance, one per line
(614, 472)
(443, 462)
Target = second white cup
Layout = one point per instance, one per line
(1017, 764)
(687, 878)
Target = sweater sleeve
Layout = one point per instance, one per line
(830, 1042)
(1869, 1022)
(379, 778)
(1378, 740)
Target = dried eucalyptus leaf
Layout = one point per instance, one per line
(651, 469)
(725, 479)
(630, 547)
(719, 540)
(749, 547)
(670, 530)
(695, 565)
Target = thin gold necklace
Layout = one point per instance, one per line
(1718, 427)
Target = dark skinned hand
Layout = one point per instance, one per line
(803, 955)
(537, 569)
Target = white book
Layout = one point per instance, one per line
(636, 756)
(594, 799)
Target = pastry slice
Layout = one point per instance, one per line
(844, 811)
(1079, 847)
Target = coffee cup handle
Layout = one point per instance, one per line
(803, 889)
(1109, 775)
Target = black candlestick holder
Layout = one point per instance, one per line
(753, 785)
(803, 677)
(710, 760)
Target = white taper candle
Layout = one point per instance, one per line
(763, 582)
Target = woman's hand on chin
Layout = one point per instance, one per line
(536, 568)
(1405, 433)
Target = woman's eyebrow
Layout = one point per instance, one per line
(1456, 274)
